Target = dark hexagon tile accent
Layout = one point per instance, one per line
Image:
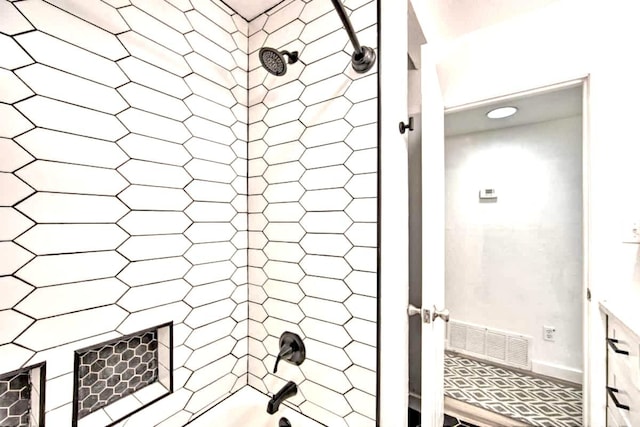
(15, 400)
(112, 371)
(22, 397)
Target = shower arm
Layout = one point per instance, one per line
(346, 22)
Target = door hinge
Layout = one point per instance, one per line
(588, 294)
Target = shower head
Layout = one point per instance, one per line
(273, 61)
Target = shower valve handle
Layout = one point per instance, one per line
(283, 354)
(291, 350)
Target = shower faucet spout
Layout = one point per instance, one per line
(290, 389)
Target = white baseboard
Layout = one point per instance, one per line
(548, 369)
(556, 371)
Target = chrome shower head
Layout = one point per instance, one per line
(273, 61)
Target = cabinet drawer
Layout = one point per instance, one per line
(622, 417)
(621, 340)
(614, 418)
(620, 332)
(623, 374)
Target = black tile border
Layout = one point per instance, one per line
(76, 364)
(42, 385)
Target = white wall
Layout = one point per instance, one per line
(568, 39)
(516, 264)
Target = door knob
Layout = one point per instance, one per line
(443, 314)
(412, 310)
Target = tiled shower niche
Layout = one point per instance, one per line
(22, 397)
(116, 378)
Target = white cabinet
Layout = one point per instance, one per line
(623, 375)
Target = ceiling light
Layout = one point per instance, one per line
(502, 112)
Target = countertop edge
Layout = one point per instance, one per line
(624, 312)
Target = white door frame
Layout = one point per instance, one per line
(433, 243)
(393, 216)
(592, 334)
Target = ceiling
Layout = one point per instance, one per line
(453, 18)
(531, 109)
(448, 18)
(250, 9)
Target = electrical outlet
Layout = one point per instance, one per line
(632, 234)
(549, 333)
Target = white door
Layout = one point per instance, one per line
(393, 215)
(433, 197)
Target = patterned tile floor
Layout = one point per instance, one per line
(536, 401)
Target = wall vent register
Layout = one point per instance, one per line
(117, 378)
(490, 344)
(22, 397)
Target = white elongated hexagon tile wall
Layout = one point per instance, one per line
(128, 198)
(313, 146)
(103, 158)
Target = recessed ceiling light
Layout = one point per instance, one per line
(502, 112)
